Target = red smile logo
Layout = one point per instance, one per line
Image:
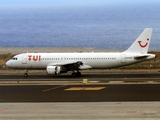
(143, 46)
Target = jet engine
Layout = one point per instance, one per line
(53, 70)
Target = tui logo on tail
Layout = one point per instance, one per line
(143, 46)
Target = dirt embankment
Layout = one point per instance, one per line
(151, 64)
(4, 58)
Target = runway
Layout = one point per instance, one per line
(101, 87)
(97, 75)
(118, 95)
(79, 93)
(80, 111)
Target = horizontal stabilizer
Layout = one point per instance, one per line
(141, 57)
(144, 56)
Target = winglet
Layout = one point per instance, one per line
(141, 44)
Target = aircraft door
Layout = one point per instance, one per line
(24, 59)
(123, 58)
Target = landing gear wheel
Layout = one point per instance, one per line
(25, 75)
(78, 74)
(73, 74)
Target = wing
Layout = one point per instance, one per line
(71, 65)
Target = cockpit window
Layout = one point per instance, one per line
(14, 58)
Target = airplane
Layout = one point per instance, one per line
(58, 63)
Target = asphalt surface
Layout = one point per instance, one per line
(101, 76)
(107, 95)
(80, 111)
(79, 93)
(100, 88)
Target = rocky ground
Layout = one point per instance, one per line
(7, 53)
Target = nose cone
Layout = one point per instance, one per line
(9, 64)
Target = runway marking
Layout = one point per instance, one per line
(84, 88)
(3, 109)
(46, 90)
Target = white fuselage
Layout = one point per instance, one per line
(93, 60)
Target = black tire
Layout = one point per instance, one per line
(78, 74)
(25, 75)
(73, 74)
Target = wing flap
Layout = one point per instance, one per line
(83, 67)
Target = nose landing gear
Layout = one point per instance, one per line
(26, 73)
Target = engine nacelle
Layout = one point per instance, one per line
(53, 70)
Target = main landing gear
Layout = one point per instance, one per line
(26, 73)
(76, 74)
